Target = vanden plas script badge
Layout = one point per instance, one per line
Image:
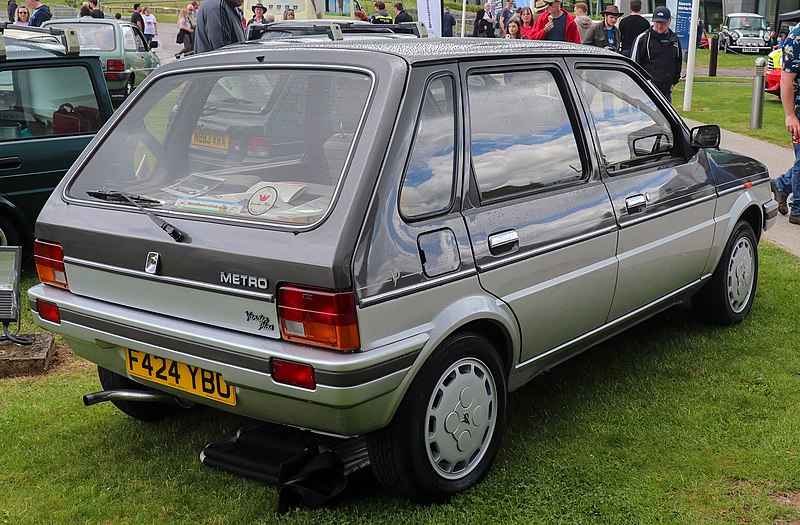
(263, 321)
(249, 281)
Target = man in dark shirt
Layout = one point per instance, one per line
(96, 12)
(219, 23)
(658, 51)
(136, 17)
(400, 14)
(40, 13)
(632, 26)
(448, 22)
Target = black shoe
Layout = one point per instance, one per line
(794, 219)
(783, 209)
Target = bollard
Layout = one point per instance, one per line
(757, 107)
(712, 61)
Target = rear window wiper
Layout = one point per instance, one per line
(138, 201)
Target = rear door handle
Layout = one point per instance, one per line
(10, 163)
(636, 204)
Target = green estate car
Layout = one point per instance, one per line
(43, 129)
(122, 48)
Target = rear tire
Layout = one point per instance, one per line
(129, 87)
(9, 236)
(728, 296)
(150, 412)
(448, 428)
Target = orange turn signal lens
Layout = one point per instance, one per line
(49, 259)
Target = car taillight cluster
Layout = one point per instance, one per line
(318, 317)
(115, 65)
(49, 259)
(258, 147)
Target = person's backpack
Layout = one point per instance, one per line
(381, 19)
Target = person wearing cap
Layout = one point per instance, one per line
(606, 34)
(789, 183)
(658, 51)
(258, 15)
(632, 26)
(556, 24)
(218, 24)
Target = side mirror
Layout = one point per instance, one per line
(153, 44)
(705, 136)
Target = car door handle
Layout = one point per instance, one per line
(9, 163)
(636, 204)
(502, 239)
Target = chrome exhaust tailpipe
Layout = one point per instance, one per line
(129, 395)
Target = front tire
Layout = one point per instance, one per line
(149, 412)
(728, 296)
(448, 428)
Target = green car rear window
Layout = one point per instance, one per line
(95, 37)
(267, 146)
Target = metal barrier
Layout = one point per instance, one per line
(757, 106)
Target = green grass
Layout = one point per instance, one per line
(725, 60)
(728, 105)
(671, 422)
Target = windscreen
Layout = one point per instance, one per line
(748, 22)
(268, 145)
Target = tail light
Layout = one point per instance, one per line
(258, 147)
(49, 259)
(318, 317)
(115, 65)
(48, 311)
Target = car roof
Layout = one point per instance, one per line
(412, 50)
(86, 20)
(32, 47)
(748, 15)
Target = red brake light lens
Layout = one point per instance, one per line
(49, 259)
(258, 147)
(116, 65)
(296, 374)
(318, 317)
(48, 311)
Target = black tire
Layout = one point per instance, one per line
(9, 235)
(410, 456)
(129, 87)
(728, 296)
(150, 412)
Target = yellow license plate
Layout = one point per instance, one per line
(210, 139)
(188, 378)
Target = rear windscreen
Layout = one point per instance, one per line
(268, 146)
(95, 37)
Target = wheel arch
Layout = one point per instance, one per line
(748, 208)
(18, 218)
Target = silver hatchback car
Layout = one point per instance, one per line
(384, 238)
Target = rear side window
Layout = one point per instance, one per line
(521, 134)
(30, 107)
(266, 146)
(631, 126)
(428, 184)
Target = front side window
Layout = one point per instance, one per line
(428, 183)
(31, 108)
(522, 139)
(631, 126)
(269, 146)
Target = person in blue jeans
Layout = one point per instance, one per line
(789, 183)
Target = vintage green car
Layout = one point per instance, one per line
(122, 48)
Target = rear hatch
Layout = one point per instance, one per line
(246, 166)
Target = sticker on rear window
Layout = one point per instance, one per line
(262, 200)
(209, 206)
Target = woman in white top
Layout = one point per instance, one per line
(150, 25)
(22, 17)
(184, 34)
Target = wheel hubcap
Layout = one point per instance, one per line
(3, 238)
(461, 418)
(740, 274)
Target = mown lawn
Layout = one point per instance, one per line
(672, 422)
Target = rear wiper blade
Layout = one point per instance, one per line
(118, 196)
(138, 200)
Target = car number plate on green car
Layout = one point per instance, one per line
(192, 379)
(210, 139)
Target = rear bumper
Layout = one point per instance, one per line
(355, 392)
(773, 85)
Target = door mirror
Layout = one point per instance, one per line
(153, 44)
(705, 136)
